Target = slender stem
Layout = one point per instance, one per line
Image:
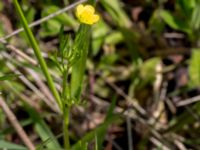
(76, 81)
(65, 86)
(38, 54)
(66, 108)
(66, 128)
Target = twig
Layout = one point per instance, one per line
(115, 145)
(129, 133)
(38, 22)
(174, 35)
(188, 101)
(158, 82)
(180, 145)
(21, 54)
(158, 144)
(13, 120)
(170, 51)
(41, 85)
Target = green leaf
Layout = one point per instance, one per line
(99, 34)
(82, 146)
(96, 142)
(1, 6)
(44, 143)
(8, 77)
(175, 22)
(114, 37)
(43, 129)
(194, 68)
(131, 39)
(186, 6)
(78, 69)
(117, 13)
(195, 21)
(52, 26)
(148, 69)
(156, 25)
(30, 14)
(11, 146)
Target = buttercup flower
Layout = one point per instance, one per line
(86, 14)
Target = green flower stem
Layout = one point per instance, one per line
(71, 93)
(65, 87)
(38, 54)
(66, 127)
(77, 75)
(66, 109)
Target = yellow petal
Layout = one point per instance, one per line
(89, 8)
(86, 18)
(96, 18)
(79, 10)
(86, 15)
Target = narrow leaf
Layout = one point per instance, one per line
(194, 68)
(9, 77)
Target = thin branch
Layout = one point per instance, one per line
(174, 35)
(188, 101)
(158, 143)
(38, 22)
(22, 54)
(180, 145)
(15, 123)
(129, 133)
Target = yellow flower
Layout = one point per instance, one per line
(86, 14)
